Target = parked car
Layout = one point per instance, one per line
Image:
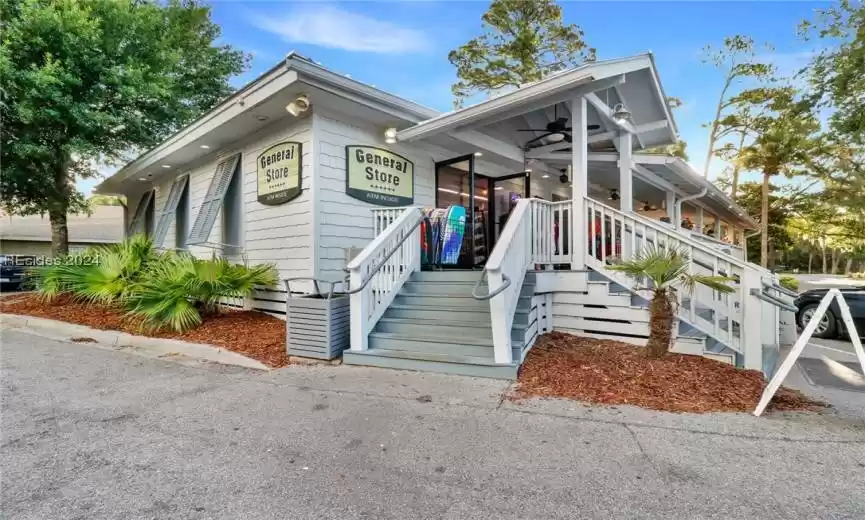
(832, 325)
(13, 271)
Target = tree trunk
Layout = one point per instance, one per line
(660, 326)
(824, 260)
(57, 210)
(836, 260)
(810, 259)
(734, 178)
(764, 223)
(849, 267)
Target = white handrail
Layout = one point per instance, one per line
(381, 269)
(506, 270)
(733, 319)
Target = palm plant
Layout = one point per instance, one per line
(177, 291)
(664, 269)
(101, 274)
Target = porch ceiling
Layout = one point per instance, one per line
(630, 81)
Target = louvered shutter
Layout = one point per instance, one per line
(213, 200)
(169, 210)
(137, 224)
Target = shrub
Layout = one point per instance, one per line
(163, 289)
(858, 276)
(789, 282)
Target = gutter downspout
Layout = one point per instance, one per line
(678, 211)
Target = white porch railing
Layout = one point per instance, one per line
(506, 269)
(551, 232)
(381, 269)
(733, 319)
(383, 217)
(730, 249)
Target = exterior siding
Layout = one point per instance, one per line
(345, 222)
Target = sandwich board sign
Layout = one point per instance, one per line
(796, 351)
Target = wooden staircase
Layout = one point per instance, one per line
(435, 325)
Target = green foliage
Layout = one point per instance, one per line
(789, 282)
(522, 42)
(88, 81)
(666, 268)
(163, 289)
(835, 74)
(105, 200)
(737, 58)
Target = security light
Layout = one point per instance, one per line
(390, 135)
(298, 106)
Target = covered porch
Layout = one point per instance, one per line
(588, 195)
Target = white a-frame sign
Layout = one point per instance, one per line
(796, 351)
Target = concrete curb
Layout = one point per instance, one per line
(160, 346)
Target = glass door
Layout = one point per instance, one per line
(507, 191)
(457, 185)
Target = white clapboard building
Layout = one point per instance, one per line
(327, 178)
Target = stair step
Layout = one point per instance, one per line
(476, 316)
(449, 287)
(453, 300)
(428, 362)
(447, 275)
(442, 330)
(475, 347)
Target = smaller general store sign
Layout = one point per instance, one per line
(279, 173)
(378, 176)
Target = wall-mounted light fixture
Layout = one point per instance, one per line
(298, 106)
(620, 113)
(390, 135)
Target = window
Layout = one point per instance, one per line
(232, 216)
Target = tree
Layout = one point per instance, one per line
(785, 144)
(665, 269)
(738, 59)
(835, 74)
(105, 200)
(522, 42)
(84, 81)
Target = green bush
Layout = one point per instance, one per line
(789, 282)
(163, 289)
(858, 276)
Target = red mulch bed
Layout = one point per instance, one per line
(612, 372)
(250, 333)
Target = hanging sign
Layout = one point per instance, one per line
(279, 173)
(378, 176)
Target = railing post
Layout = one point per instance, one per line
(499, 320)
(751, 318)
(359, 308)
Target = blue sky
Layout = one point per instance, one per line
(402, 47)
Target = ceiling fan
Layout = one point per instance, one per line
(556, 130)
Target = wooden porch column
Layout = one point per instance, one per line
(626, 176)
(671, 208)
(717, 227)
(698, 224)
(579, 181)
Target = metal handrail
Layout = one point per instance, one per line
(489, 296)
(757, 293)
(376, 268)
(781, 289)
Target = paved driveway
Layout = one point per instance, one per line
(90, 433)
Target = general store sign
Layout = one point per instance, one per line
(378, 176)
(279, 173)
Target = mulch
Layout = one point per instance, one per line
(251, 333)
(615, 373)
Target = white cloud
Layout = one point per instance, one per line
(330, 26)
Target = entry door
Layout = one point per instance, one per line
(507, 191)
(456, 184)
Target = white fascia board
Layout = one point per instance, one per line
(242, 100)
(546, 87)
(405, 109)
(674, 130)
